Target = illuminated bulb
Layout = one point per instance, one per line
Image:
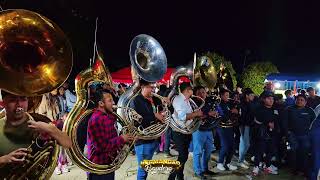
(277, 85)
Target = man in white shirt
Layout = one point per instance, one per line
(184, 114)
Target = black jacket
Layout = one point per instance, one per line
(144, 107)
(209, 123)
(263, 116)
(247, 113)
(298, 120)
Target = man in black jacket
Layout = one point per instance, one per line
(146, 106)
(296, 126)
(265, 133)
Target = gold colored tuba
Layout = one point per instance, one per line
(149, 62)
(80, 112)
(200, 72)
(35, 58)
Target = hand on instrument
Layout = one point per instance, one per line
(198, 113)
(160, 117)
(166, 100)
(40, 126)
(235, 111)
(127, 138)
(15, 156)
(213, 113)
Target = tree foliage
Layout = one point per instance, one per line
(217, 60)
(254, 75)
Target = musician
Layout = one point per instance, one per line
(103, 141)
(296, 124)
(202, 139)
(226, 134)
(265, 130)
(146, 105)
(184, 113)
(17, 130)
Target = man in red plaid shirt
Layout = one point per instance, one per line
(103, 141)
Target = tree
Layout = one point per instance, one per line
(217, 60)
(254, 75)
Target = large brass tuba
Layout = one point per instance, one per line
(35, 58)
(200, 72)
(149, 62)
(225, 81)
(80, 112)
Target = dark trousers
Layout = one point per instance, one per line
(168, 139)
(264, 146)
(301, 146)
(109, 176)
(226, 136)
(182, 141)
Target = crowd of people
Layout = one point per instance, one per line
(269, 130)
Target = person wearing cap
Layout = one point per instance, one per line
(146, 106)
(184, 114)
(226, 134)
(264, 133)
(296, 126)
(245, 121)
(313, 100)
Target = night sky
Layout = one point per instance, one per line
(284, 32)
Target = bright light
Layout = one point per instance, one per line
(277, 85)
(266, 80)
(318, 85)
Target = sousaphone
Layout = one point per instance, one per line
(35, 58)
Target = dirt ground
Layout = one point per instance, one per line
(128, 172)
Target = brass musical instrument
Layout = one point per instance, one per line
(148, 62)
(200, 72)
(225, 81)
(80, 112)
(34, 53)
(35, 58)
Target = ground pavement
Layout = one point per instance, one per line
(128, 172)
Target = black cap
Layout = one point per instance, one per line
(247, 91)
(223, 90)
(184, 86)
(266, 94)
(144, 82)
(310, 89)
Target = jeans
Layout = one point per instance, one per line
(202, 148)
(244, 142)
(109, 176)
(168, 136)
(144, 152)
(182, 141)
(226, 136)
